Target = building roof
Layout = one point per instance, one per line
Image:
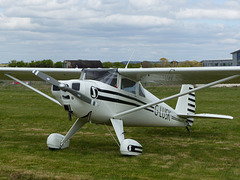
(235, 51)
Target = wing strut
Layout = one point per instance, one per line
(35, 90)
(174, 96)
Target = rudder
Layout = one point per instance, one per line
(186, 104)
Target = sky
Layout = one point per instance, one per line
(113, 30)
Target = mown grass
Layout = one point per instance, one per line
(211, 151)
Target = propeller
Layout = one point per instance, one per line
(64, 87)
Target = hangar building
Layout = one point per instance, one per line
(235, 61)
(236, 58)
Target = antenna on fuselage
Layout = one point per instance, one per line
(129, 59)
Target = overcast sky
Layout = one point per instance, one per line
(110, 30)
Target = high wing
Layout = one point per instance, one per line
(173, 75)
(183, 75)
(26, 73)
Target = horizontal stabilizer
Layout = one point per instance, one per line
(205, 115)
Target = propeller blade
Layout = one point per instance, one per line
(63, 87)
(47, 78)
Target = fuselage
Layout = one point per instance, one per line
(114, 94)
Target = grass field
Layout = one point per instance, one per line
(211, 151)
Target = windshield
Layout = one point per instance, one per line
(108, 76)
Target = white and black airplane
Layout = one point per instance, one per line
(116, 97)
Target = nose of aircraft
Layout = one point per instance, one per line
(64, 87)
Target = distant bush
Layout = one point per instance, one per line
(48, 63)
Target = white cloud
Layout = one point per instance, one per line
(230, 41)
(159, 5)
(96, 4)
(4, 3)
(144, 3)
(59, 29)
(138, 20)
(16, 23)
(222, 14)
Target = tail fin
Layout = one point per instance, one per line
(186, 104)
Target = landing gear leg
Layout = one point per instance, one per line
(128, 147)
(58, 141)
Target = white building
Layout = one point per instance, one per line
(235, 61)
(236, 58)
(220, 62)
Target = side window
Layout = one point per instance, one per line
(128, 85)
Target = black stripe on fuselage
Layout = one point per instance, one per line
(120, 94)
(104, 98)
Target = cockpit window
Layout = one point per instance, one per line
(128, 85)
(76, 86)
(108, 76)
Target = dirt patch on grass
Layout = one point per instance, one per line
(33, 129)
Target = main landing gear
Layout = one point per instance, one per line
(128, 147)
(57, 141)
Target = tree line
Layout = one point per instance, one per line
(48, 63)
(163, 62)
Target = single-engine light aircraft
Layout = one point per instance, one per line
(116, 97)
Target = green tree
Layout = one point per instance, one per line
(164, 62)
(196, 63)
(21, 64)
(146, 64)
(47, 63)
(138, 65)
(118, 65)
(12, 63)
(32, 64)
(156, 64)
(174, 63)
(38, 63)
(107, 65)
(15, 63)
(188, 63)
(58, 64)
(44, 63)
